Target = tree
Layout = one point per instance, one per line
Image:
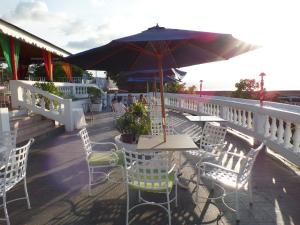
(191, 90)
(175, 87)
(246, 88)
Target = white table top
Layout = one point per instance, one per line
(180, 142)
(205, 119)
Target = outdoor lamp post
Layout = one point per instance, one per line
(262, 92)
(200, 92)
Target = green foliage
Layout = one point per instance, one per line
(94, 94)
(175, 87)
(38, 70)
(135, 121)
(49, 87)
(246, 88)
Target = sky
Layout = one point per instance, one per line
(78, 25)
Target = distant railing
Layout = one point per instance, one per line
(77, 80)
(25, 95)
(277, 124)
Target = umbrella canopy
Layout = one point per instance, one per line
(149, 79)
(161, 48)
(176, 48)
(153, 75)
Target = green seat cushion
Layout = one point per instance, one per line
(103, 158)
(153, 186)
(121, 161)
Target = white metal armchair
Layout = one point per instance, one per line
(150, 172)
(12, 173)
(229, 177)
(98, 161)
(212, 142)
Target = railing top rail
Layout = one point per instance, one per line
(279, 110)
(39, 91)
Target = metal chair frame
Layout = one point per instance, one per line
(88, 147)
(231, 178)
(152, 168)
(12, 173)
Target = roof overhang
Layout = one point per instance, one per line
(31, 45)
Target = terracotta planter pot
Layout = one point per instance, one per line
(127, 138)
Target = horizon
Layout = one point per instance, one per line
(79, 26)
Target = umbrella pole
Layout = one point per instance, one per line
(163, 112)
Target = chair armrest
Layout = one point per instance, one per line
(172, 168)
(105, 143)
(204, 164)
(210, 146)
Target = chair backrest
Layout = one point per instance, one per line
(148, 170)
(86, 143)
(8, 139)
(157, 128)
(247, 164)
(212, 135)
(16, 164)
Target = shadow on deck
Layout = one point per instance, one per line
(57, 181)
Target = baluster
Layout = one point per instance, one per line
(267, 128)
(51, 106)
(249, 120)
(296, 138)
(42, 103)
(280, 132)
(244, 118)
(33, 99)
(234, 115)
(59, 108)
(239, 117)
(287, 135)
(273, 129)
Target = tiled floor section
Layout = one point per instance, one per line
(57, 182)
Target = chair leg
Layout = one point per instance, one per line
(5, 209)
(127, 206)
(176, 195)
(90, 181)
(169, 208)
(139, 195)
(198, 183)
(250, 194)
(26, 193)
(237, 205)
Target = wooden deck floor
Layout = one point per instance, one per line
(57, 183)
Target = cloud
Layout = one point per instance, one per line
(84, 44)
(33, 11)
(97, 2)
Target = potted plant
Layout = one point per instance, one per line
(134, 123)
(95, 97)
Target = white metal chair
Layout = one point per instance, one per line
(12, 173)
(236, 179)
(150, 172)
(97, 160)
(212, 142)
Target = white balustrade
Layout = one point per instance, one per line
(278, 124)
(25, 95)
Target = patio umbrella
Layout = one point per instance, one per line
(143, 76)
(161, 48)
